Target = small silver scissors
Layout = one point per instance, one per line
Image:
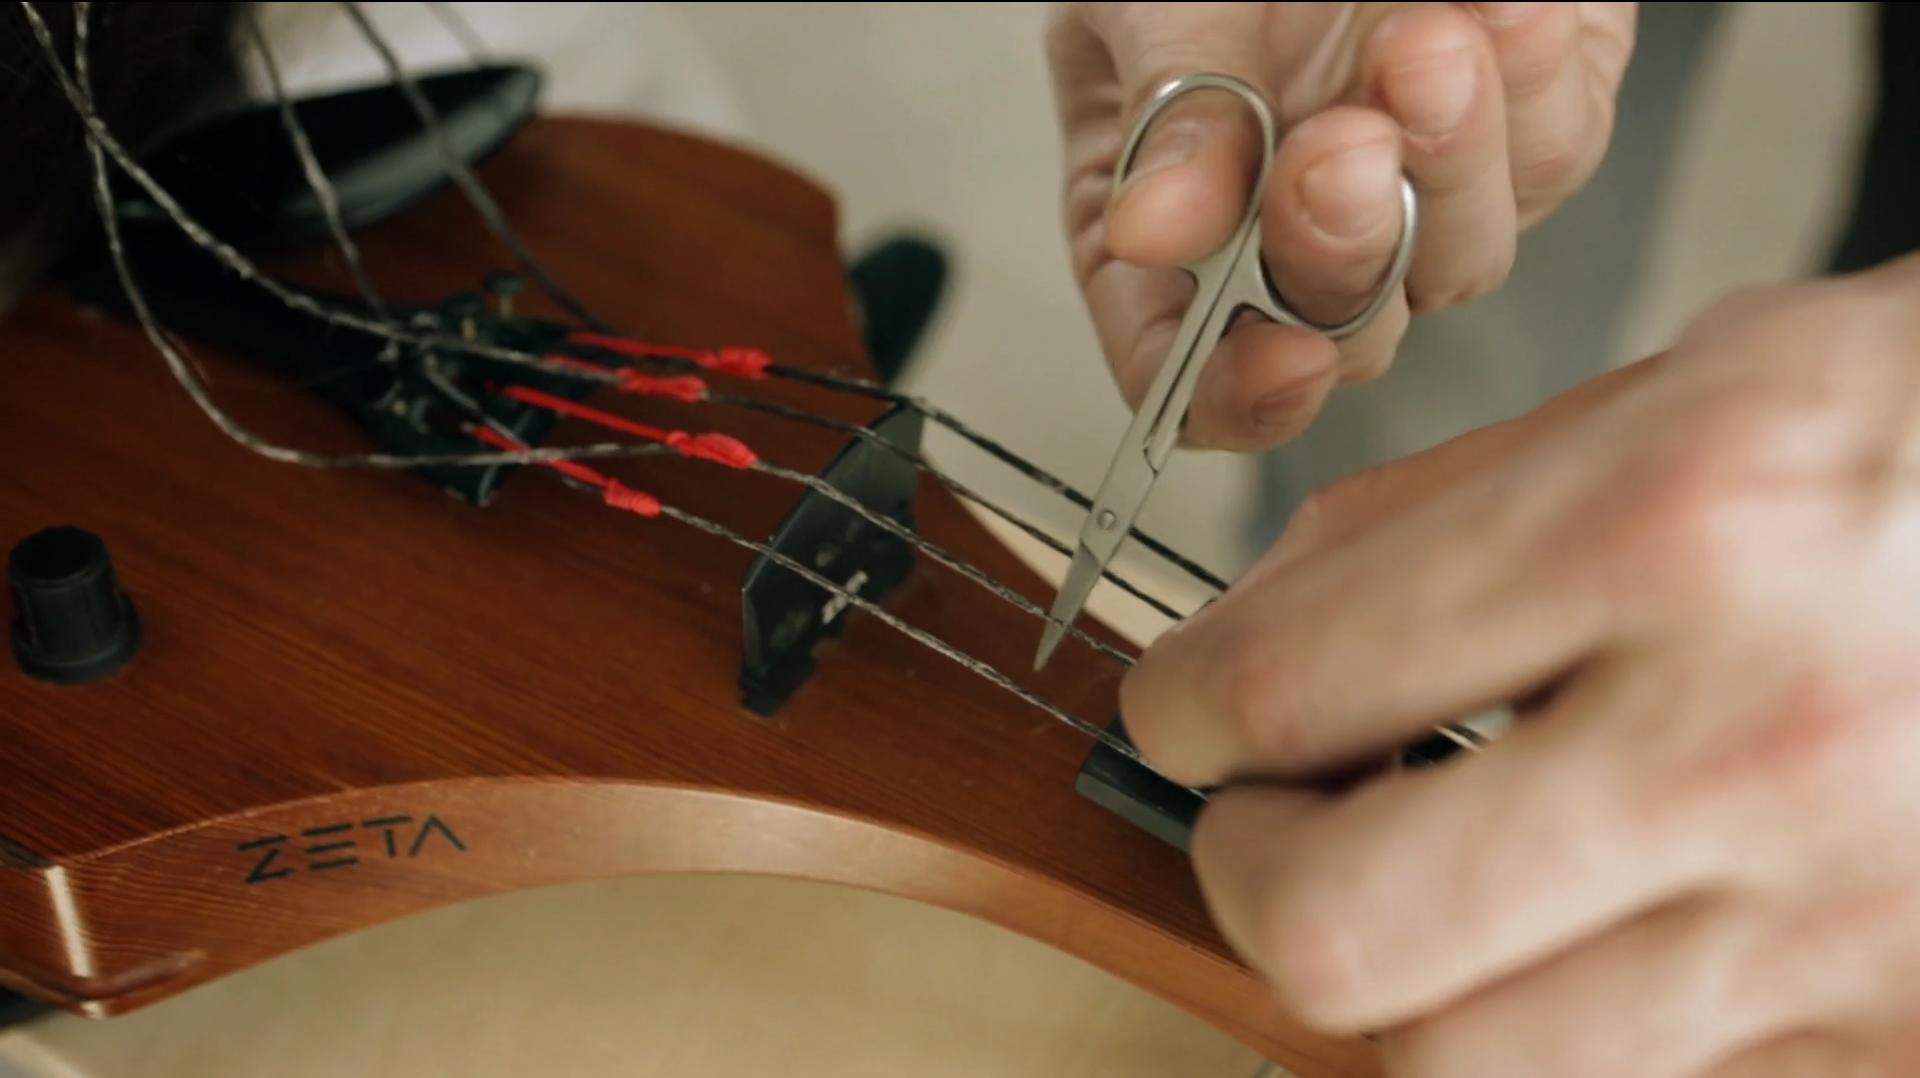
(1231, 279)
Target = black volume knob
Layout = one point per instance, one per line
(71, 621)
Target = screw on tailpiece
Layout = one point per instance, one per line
(466, 309)
(504, 285)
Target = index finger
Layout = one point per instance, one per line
(1427, 607)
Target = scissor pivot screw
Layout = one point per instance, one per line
(1105, 520)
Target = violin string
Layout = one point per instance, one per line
(1032, 531)
(101, 144)
(316, 176)
(180, 366)
(397, 335)
(866, 388)
(476, 192)
(740, 456)
(434, 376)
(183, 368)
(228, 425)
(244, 268)
(853, 598)
(940, 417)
(502, 229)
(324, 193)
(953, 484)
(239, 264)
(927, 639)
(744, 458)
(933, 550)
(461, 29)
(732, 453)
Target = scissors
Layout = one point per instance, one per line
(1231, 279)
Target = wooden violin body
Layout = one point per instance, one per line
(357, 698)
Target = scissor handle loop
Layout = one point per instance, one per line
(1171, 91)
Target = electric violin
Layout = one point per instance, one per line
(419, 497)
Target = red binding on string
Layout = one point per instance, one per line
(612, 491)
(685, 387)
(738, 361)
(621, 496)
(731, 360)
(719, 448)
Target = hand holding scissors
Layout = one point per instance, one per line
(1232, 279)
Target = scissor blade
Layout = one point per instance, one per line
(1081, 578)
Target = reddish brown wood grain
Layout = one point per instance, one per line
(544, 689)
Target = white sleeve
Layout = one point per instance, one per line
(638, 60)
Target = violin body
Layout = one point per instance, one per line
(357, 698)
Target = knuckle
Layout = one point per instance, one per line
(1366, 368)
(1137, 704)
(1060, 22)
(1811, 738)
(1304, 950)
(1423, 1048)
(1352, 267)
(1160, 58)
(1309, 959)
(1261, 702)
(1085, 210)
(1138, 360)
(1732, 482)
(1325, 513)
(1528, 71)
(1683, 541)
(1425, 38)
(1458, 291)
(1551, 166)
(1740, 312)
(1337, 500)
(1317, 513)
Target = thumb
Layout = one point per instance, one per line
(1194, 171)
(1189, 183)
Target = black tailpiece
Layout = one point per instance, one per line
(784, 615)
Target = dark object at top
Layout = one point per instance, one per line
(899, 285)
(240, 176)
(71, 621)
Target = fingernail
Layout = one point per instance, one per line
(1169, 149)
(1351, 194)
(1432, 95)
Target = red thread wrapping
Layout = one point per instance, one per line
(564, 406)
(621, 496)
(612, 491)
(625, 347)
(684, 387)
(751, 363)
(732, 360)
(719, 448)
